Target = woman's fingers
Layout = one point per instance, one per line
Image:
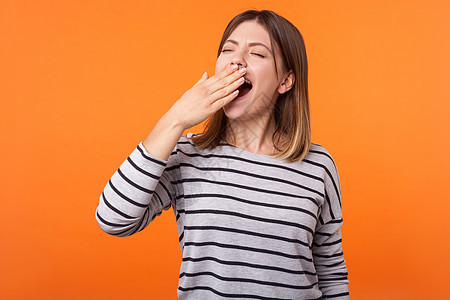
(222, 79)
(226, 84)
(230, 69)
(207, 96)
(228, 89)
(216, 105)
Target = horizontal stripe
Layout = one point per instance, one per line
(250, 265)
(110, 223)
(330, 265)
(268, 178)
(335, 221)
(254, 162)
(249, 188)
(245, 248)
(337, 295)
(328, 244)
(338, 274)
(196, 196)
(250, 217)
(227, 295)
(333, 279)
(246, 232)
(243, 220)
(242, 279)
(329, 256)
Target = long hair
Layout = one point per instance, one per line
(291, 111)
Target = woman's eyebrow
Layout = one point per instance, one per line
(250, 44)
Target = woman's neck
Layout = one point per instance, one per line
(253, 135)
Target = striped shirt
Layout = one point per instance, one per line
(251, 226)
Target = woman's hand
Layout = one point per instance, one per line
(207, 96)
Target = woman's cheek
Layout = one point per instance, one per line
(222, 63)
(220, 66)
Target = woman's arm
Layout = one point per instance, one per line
(327, 245)
(164, 136)
(143, 185)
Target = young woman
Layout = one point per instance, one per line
(257, 205)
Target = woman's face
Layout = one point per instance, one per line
(249, 46)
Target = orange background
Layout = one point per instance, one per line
(82, 82)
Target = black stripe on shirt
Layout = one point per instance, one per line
(125, 197)
(328, 244)
(249, 188)
(195, 196)
(133, 184)
(133, 164)
(226, 294)
(330, 209)
(242, 279)
(251, 217)
(223, 156)
(253, 176)
(247, 232)
(150, 158)
(332, 265)
(328, 256)
(246, 248)
(245, 264)
(329, 175)
(111, 224)
(140, 222)
(115, 209)
(336, 295)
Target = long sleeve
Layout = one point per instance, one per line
(138, 191)
(327, 246)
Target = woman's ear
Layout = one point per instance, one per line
(287, 82)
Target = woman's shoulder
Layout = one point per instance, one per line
(319, 154)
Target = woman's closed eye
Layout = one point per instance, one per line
(257, 54)
(260, 55)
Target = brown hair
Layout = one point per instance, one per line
(291, 111)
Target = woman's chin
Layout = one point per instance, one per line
(239, 106)
(234, 112)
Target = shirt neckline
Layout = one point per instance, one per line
(245, 152)
(249, 153)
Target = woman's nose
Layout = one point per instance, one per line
(238, 59)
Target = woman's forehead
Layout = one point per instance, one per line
(250, 31)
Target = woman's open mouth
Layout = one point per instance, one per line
(244, 89)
